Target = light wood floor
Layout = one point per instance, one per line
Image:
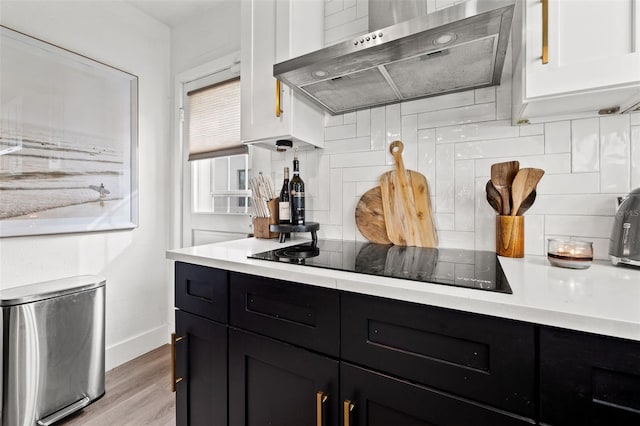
(137, 393)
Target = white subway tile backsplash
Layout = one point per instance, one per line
(360, 174)
(484, 95)
(464, 195)
(531, 129)
(393, 128)
(557, 137)
(575, 204)
(585, 147)
(349, 3)
(427, 156)
(409, 138)
(340, 18)
(345, 131)
(362, 8)
(527, 145)
(349, 202)
(534, 241)
(579, 226)
(445, 221)
(364, 186)
(635, 156)
(577, 183)
(347, 145)
(437, 103)
(335, 197)
(330, 232)
(485, 219)
(350, 118)
(445, 179)
(461, 115)
(363, 123)
(332, 6)
(370, 158)
(477, 131)
(346, 32)
(378, 128)
(333, 120)
(456, 239)
(503, 100)
(550, 163)
(614, 154)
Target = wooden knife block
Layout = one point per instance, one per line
(261, 224)
(510, 236)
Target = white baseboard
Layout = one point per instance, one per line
(135, 346)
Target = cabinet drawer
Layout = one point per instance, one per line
(486, 359)
(380, 400)
(299, 314)
(202, 291)
(588, 380)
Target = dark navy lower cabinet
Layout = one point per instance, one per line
(588, 380)
(257, 351)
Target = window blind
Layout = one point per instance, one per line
(214, 121)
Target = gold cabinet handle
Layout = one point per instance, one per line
(278, 93)
(174, 381)
(545, 31)
(347, 407)
(321, 398)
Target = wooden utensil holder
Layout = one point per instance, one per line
(261, 224)
(510, 236)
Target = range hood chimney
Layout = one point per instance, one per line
(406, 55)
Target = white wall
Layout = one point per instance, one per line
(453, 140)
(131, 261)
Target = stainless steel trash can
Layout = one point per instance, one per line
(52, 349)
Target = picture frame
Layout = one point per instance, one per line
(68, 141)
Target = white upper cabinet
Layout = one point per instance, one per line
(274, 31)
(593, 58)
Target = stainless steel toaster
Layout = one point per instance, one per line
(624, 245)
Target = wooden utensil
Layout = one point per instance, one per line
(502, 175)
(370, 217)
(523, 184)
(528, 202)
(406, 205)
(493, 197)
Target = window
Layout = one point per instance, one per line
(219, 161)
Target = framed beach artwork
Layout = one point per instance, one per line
(68, 141)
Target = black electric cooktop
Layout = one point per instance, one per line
(456, 267)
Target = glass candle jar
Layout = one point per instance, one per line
(570, 254)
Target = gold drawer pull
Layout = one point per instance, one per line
(278, 94)
(545, 31)
(348, 407)
(321, 398)
(174, 381)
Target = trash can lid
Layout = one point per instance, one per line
(49, 289)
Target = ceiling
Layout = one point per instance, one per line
(173, 12)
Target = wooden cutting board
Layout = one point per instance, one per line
(406, 205)
(370, 217)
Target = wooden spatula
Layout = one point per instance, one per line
(493, 197)
(523, 184)
(502, 175)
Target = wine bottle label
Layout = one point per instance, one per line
(284, 211)
(297, 194)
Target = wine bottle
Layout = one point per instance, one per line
(296, 189)
(283, 206)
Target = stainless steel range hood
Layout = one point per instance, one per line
(458, 48)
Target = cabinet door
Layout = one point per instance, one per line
(591, 46)
(588, 380)
(201, 362)
(277, 384)
(483, 358)
(202, 291)
(379, 400)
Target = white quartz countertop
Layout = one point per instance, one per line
(603, 299)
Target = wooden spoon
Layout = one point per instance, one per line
(528, 202)
(502, 175)
(523, 184)
(493, 197)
